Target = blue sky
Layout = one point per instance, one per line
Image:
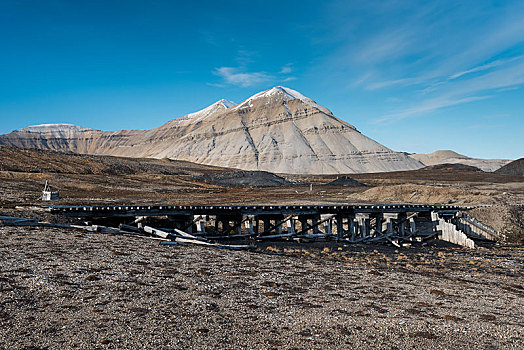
(416, 76)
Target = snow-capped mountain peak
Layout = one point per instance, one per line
(281, 92)
(222, 104)
(227, 103)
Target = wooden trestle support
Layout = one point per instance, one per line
(396, 224)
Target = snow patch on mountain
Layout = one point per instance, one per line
(43, 128)
(222, 104)
(277, 92)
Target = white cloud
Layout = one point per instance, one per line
(485, 67)
(457, 92)
(388, 83)
(234, 76)
(286, 69)
(385, 47)
(428, 106)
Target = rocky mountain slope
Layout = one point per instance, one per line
(451, 157)
(277, 130)
(514, 168)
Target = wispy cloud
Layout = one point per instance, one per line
(459, 92)
(426, 107)
(484, 67)
(286, 69)
(361, 80)
(431, 56)
(385, 46)
(238, 77)
(396, 82)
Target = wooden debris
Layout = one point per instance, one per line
(19, 221)
(186, 239)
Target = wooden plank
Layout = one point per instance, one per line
(183, 239)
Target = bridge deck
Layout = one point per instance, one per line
(175, 210)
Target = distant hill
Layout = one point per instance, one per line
(514, 168)
(453, 167)
(452, 157)
(43, 161)
(346, 181)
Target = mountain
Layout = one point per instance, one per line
(451, 157)
(277, 130)
(516, 167)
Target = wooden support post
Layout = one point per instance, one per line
(238, 226)
(217, 229)
(379, 221)
(401, 223)
(201, 224)
(278, 226)
(290, 225)
(389, 225)
(354, 229)
(327, 225)
(412, 226)
(267, 224)
(249, 226)
(363, 221)
(316, 219)
(340, 226)
(317, 223)
(303, 222)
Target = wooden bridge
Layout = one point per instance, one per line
(394, 223)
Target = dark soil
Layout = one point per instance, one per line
(453, 167)
(345, 181)
(236, 179)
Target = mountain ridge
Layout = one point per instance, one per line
(277, 130)
(452, 157)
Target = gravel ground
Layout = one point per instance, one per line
(71, 289)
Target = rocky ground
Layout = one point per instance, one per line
(74, 289)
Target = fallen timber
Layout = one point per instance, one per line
(395, 224)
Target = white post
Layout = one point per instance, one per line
(200, 224)
(290, 224)
(249, 227)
